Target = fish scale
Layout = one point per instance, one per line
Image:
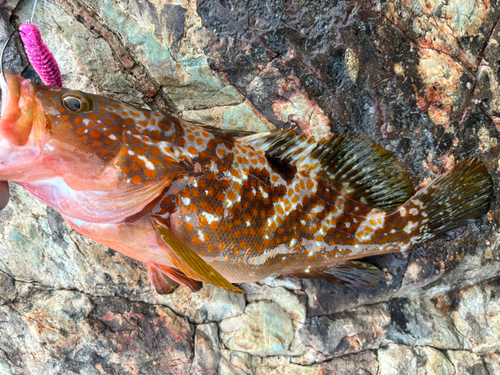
(308, 233)
(201, 204)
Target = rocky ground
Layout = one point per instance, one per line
(419, 77)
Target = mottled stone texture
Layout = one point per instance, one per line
(419, 77)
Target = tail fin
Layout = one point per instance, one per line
(459, 195)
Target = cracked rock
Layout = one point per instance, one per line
(466, 362)
(344, 333)
(211, 304)
(207, 352)
(420, 323)
(477, 318)
(403, 360)
(264, 330)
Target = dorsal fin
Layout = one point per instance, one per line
(360, 169)
(228, 134)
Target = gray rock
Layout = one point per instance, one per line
(234, 362)
(403, 360)
(477, 318)
(56, 331)
(344, 333)
(492, 363)
(264, 330)
(210, 304)
(281, 366)
(420, 323)
(206, 350)
(362, 363)
(466, 363)
(285, 282)
(291, 304)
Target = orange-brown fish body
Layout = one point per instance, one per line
(249, 205)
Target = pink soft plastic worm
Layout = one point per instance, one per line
(39, 55)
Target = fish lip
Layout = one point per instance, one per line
(18, 109)
(19, 148)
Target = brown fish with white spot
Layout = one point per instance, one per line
(200, 204)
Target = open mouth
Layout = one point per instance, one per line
(18, 109)
(21, 128)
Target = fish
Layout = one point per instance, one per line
(198, 204)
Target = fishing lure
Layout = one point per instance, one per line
(39, 55)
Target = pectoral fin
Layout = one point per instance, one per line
(350, 274)
(190, 263)
(162, 283)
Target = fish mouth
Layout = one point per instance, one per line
(21, 124)
(18, 109)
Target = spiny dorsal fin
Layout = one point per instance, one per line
(358, 168)
(228, 134)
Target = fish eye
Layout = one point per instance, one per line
(76, 102)
(72, 103)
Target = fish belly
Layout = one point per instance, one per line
(137, 240)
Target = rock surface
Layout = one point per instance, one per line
(419, 77)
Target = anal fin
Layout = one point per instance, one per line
(350, 274)
(177, 276)
(190, 263)
(161, 282)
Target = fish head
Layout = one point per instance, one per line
(48, 132)
(82, 153)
